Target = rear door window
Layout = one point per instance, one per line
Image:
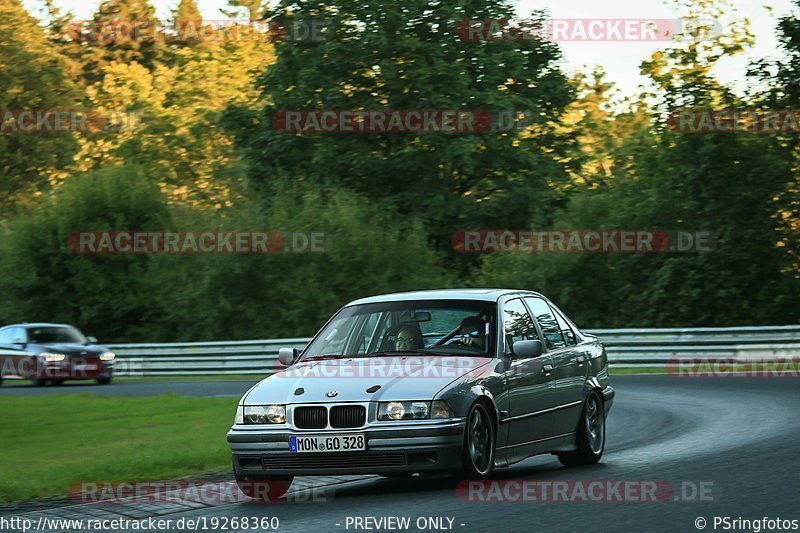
(544, 317)
(566, 330)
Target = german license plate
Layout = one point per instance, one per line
(86, 367)
(327, 443)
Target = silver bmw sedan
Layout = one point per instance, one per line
(446, 382)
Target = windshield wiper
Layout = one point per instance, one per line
(332, 356)
(406, 352)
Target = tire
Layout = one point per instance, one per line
(103, 381)
(264, 490)
(477, 459)
(38, 382)
(590, 436)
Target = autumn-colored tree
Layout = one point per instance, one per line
(169, 114)
(32, 78)
(253, 9)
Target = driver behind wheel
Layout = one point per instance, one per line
(473, 332)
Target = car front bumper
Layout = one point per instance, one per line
(608, 398)
(400, 448)
(70, 370)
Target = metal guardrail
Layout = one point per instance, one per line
(625, 347)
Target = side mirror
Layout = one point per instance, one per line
(286, 356)
(92, 340)
(528, 349)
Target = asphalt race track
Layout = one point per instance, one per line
(737, 439)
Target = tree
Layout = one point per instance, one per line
(111, 295)
(188, 22)
(721, 183)
(782, 79)
(286, 294)
(169, 114)
(683, 71)
(377, 55)
(32, 78)
(253, 8)
(187, 12)
(121, 31)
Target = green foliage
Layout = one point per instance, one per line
(724, 184)
(42, 279)
(782, 79)
(176, 296)
(291, 294)
(32, 77)
(122, 31)
(378, 55)
(199, 151)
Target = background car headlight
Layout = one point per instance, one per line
(265, 414)
(413, 410)
(107, 356)
(53, 357)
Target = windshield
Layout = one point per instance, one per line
(55, 335)
(438, 327)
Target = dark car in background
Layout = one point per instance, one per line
(54, 353)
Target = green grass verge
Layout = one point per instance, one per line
(644, 370)
(210, 377)
(50, 443)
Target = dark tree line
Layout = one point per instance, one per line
(198, 149)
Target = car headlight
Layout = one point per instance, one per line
(413, 410)
(107, 356)
(264, 414)
(53, 357)
(239, 417)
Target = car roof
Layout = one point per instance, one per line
(485, 295)
(37, 325)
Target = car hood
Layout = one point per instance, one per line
(72, 349)
(399, 378)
